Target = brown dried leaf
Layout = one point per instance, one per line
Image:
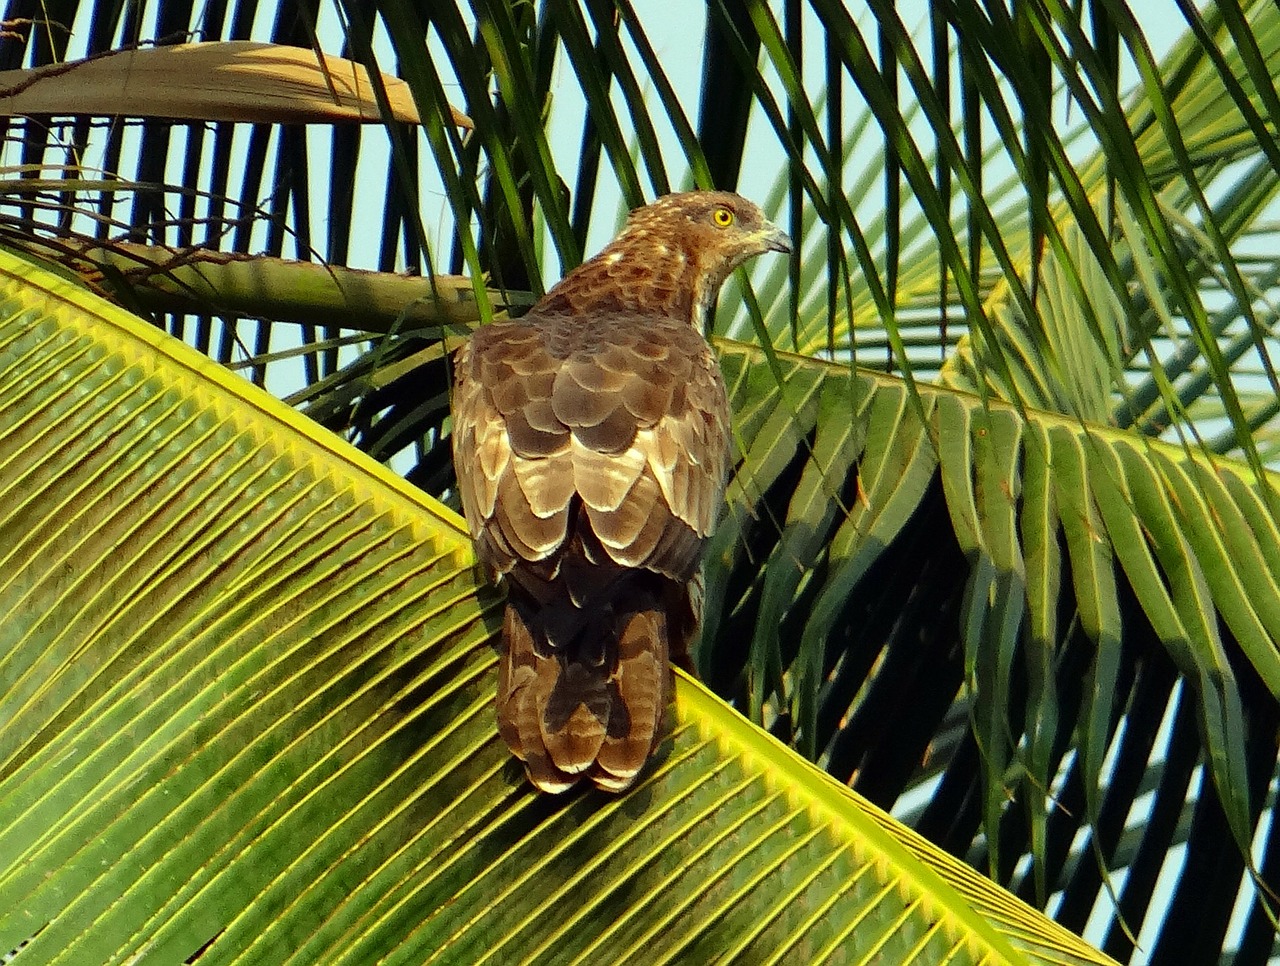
(228, 81)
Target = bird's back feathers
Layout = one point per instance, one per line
(591, 443)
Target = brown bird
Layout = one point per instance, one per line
(591, 442)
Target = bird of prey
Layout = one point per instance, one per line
(591, 443)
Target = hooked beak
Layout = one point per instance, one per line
(774, 238)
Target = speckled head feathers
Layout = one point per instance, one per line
(725, 225)
(671, 257)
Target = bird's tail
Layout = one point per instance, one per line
(590, 708)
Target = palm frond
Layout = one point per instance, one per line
(1070, 542)
(976, 579)
(249, 682)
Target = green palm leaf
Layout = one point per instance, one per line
(1043, 633)
(246, 715)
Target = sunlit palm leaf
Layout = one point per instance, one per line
(247, 709)
(855, 569)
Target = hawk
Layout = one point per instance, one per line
(591, 443)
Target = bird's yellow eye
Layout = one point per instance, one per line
(722, 217)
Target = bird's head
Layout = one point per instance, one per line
(673, 255)
(716, 226)
(701, 236)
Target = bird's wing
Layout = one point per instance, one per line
(591, 459)
(629, 413)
